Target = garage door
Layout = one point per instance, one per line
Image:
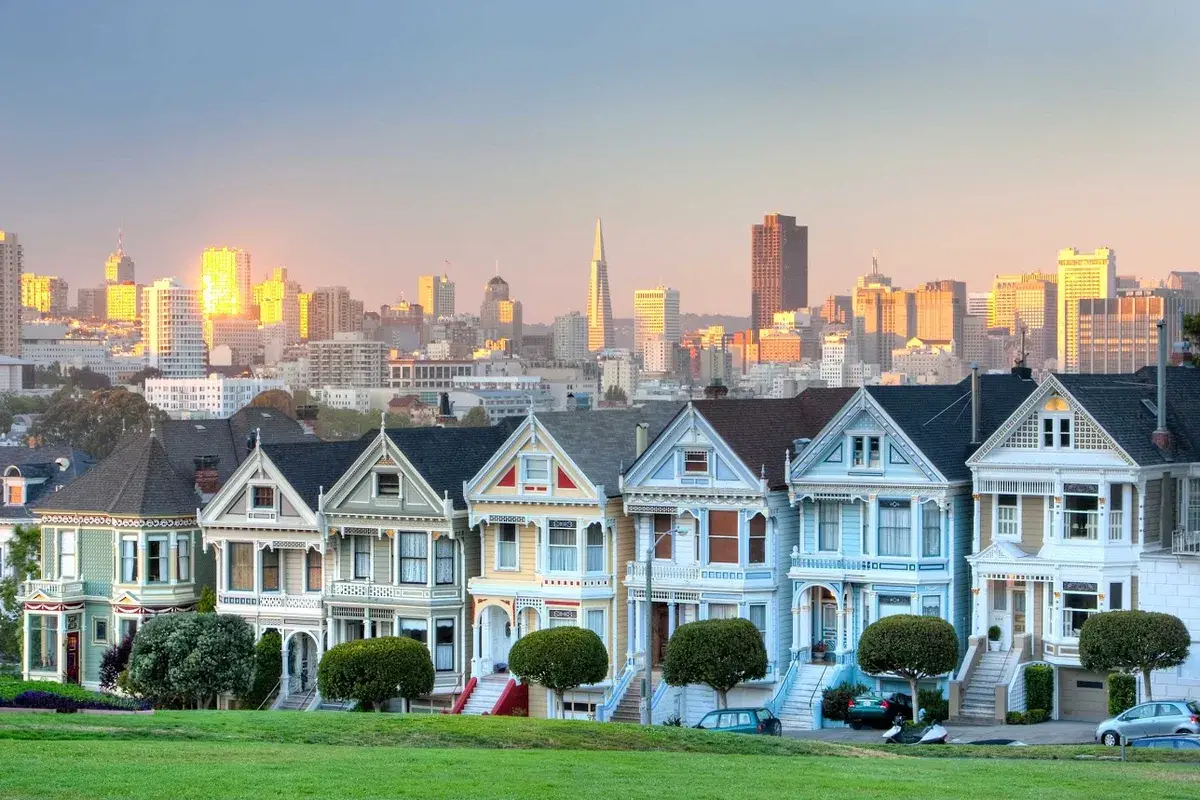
(1082, 695)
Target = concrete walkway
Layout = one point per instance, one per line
(1045, 733)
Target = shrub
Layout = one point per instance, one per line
(559, 659)
(673, 721)
(936, 707)
(376, 670)
(61, 696)
(913, 647)
(1014, 718)
(835, 701)
(720, 653)
(1036, 715)
(207, 603)
(268, 669)
(1122, 693)
(114, 661)
(994, 633)
(1133, 641)
(189, 659)
(1039, 687)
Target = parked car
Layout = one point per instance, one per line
(878, 711)
(742, 720)
(1151, 718)
(1180, 742)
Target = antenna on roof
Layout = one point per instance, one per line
(874, 262)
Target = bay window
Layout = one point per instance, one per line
(1082, 514)
(157, 555)
(595, 622)
(564, 549)
(67, 561)
(1080, 601)
(722, 611)
(414, 558)
(931, 531)
(443, 637)
(362, 558)
(129, 559)
(893, 604)
(595, 548)
(758, 539)
(312, 569)
(183, 557)
(829, 524)
(42, 647)
(722, 537)
(270, 570)
(895, 528)
(241, 566)
(757, 612)
(443, 560)
(415, 629)
(1007, 516)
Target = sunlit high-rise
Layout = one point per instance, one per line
(1081, 276)
(45, 294)
(655, 316)
(11, 266)
(435, 294)
(778, 268)
(119, 266)
(278, 301)
(599, 307)
(172, 329)
(225, 282)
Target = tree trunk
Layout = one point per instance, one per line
(1146, 677)
(562, 706)
(722, 698)
(912, 684)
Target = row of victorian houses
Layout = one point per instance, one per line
(993, 502)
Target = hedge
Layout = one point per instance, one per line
(62, 696)
(1039, 687)
(835, 701)
(936, 708)
(373, 671)
(1122, 693)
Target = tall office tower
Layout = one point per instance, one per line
(331, 310)
(305, 301)
(778, 268)
(499, 315)
(278, 301)
(655, 316)
(173, 329)
(838, 309)
(1186, 282)
(91, 302)
(11, 266)
(1120, 334)
(599, 307)
(225, 283)
(884, 317)
(940, 307)
(1081, 276)
(1027, 304)
(977, 303)
(123, 302)
(435, 294)
(119, 266)
(570, 342)
(45, 294)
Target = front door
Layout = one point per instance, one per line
(1020, 622)
(829, 624)
(73, 657)
(998, 615)
(659, 632)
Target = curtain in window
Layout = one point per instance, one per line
(443, 551)
(413, 558)
(895, 528)
(129, 560)
(722, 611)
(183, 558)
(506, 554)
(723, 537)
(829, 526)
(156, 559)
(443, 657)
(931, 530)
(362, 557)
(595, 621)
(758, 616)
(66, 555)
(564, 557)
(595, 548)
(241, 566)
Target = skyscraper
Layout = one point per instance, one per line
(1120, 334)
(45, 294)
(499, 314)
(940, 308)
(778, 268)
(435, 294)
(225, 282)
(119, 266)
(884, 317)
(331, 310)
(123, 302)
(1027, 304)
(278, 301)
(1081, 276)
(655, 316)
(11, 266)
(172, 329)
(570, 338)
(599, 307)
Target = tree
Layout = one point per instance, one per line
(720, 653)
(24, 562)
(913, 647)
(1133, 641)
(207, 602)
(559, 659)
(376, 670)
(114, 661)
(189, 659)
(277, 399)
(615, 394)
(476, 417)
(268, 669)
(139, 378)
(87, 380)
(94, 422)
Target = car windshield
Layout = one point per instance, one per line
(1193, 707)
(711, 720)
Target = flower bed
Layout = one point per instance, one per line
(62, 697)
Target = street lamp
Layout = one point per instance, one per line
(646, 626)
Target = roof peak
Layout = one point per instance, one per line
(598, 246)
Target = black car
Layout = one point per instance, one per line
(879, 711)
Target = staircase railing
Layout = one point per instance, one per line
(514, 695)
(785, 687)
(605, 710)
(817, 686)
(271, 698)
(461, 702)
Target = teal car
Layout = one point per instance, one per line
(742, 720)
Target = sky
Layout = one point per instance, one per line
(366, 143)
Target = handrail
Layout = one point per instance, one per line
(817, 686)
(660, 691)
(1019, 674)
(270, 695)
(514, 693)
(605, 710)
(464, 697)
(785, 687)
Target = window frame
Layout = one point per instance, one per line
(309, 552)
(443, 542)
(438, 627)
(130, 559)
(692, 456)
(1001, 527)
(930, 508)
(526, 460)
(864, 445)
(724, 537)
(1055, 428)
(907, 538)
(253, 499)
(501, 528)
(751, 537)
(74, 554)
(96, 622)
(420, 561)
(183, 558)
(587, 622)
(162, 560)
(378, 487)
(570, 551)
(263, 567)
(822, 505)
(750, 610)
(232, 566)
(370, 558)
(589, 549)
(937, 600)
(667, 534)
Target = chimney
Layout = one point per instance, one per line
(445, 410)
(306, 415)
(642, 436)
(1161, 436)
(208, 480)
(976, 403)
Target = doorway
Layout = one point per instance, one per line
(659, 632)
(73, 657)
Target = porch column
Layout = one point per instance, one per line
(476, 649)
(367, 623)
(329, 630)
(629, 608)
(872, 525)
(975, 543)
(983, 605)
(1105, 506)
(62, 647)
(806, 637)
(796, 646)
(1056, 631)
(28, 623)
(914, 524)
(141, 557)
(841, 627)
(1127, 514)
(671, 617)
(284, 683)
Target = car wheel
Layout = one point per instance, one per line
(1110, 739)
(1184, 732)
(856, 725)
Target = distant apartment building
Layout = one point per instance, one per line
(90, 302)
(278, 301)
(47, 345)
(426, 378)
(225, 282)
(884, 318)
(928, 363)
(11, 267)
(123, 302)
(570, 332)
(839, 355)
(1081, 276)
(347, 360)
(618, 370)
(1120, 334)
(1027, 303)
(435, 294)
(778, 268)
(780, 346)
(240, 334)
(1187, 282)
(977, 303)
(45, 294)
(655, 316)
(213, 397)
(331, 310)
(940, 307)
(173, 329)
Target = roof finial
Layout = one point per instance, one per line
(257, 438)
(762, 472)
(382, 420)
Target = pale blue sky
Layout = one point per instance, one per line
(364, 143)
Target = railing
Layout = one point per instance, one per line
(366, 590)
(785, 687)
(271, 697)
(605, 710)
(1017, 698)
(660, 691)
(514, 695)
(1185, 543)
(663, 572)
(1069, 615)
(54, 589)
(461, 702)
(285, 602)
(1081, 525)
(1116, 525)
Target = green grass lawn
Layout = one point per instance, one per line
(316, 755)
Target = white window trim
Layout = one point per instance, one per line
(603, 551)
(516, 549)
(866, 436)
(525, 459)
(370, 558)
(1056, 416)
(166, 541)
(996, 519)
(936, 596)
(19, 483)
(840, 526)
(74, 532)
(387, 499)
(926, 505)
(708, 462)
(261, 511)
(108, 640)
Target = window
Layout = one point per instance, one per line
(129, 559)
(892, 604)
(931, 606)
(564, 553)
(1064, 432)
(1193, 507)
(829, 524)
(362, 558)
(443, 560)
(270, 570)
(931, 531)
(263, 498)
(1077, 608)
(560, 618)
(157, 555)
(595, 622)
(722, 611)
(128, 628)
(865, 451)
(1057, 431)
(1116, 596)
(312, 568)
(695, 462)
(42, 648)
(758, 539)
(722, 537)
(595, 548)
(387, 484)
(506, 546)
(414, 558)
(1007, 515)
(183, 557)
(99, 630)
(1082, 514)
(999, 592)
(16, 494)
(537, 469)
(67, 563)
(664, 536)
(443, 637)
(417, 629)
(241, 566)
(757, 613)
(895, 528)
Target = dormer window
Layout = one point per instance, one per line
(1058, 425)
(14, 494)
(262, 498)
(866, 452)
(535, 469)
(387, 484)
(695, 462)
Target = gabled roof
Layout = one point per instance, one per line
(312, 465)
(39, 462)
(186, 440)
(602, 443)
(761, 431)
(937, 419)
(448, 457)
(135, 480)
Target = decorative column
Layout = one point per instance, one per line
(28, 622)
(914, 526)
(806, 637)
(62, 647)
(141, 558)
(173, 559)
(1127, 513)
(841, 625)
(367, 623)
(872, 524)
(477, 648)
(795, 630)
(975, 541)
(284, 682)
(983, 606)
(629, 630)
(1105, 506)
(671, 618)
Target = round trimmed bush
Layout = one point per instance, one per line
(559, 659)
(376, 670)
(910, 646)
(1133, 641)
(188, 659)
(720, 653)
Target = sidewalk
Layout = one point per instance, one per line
(1045, 733)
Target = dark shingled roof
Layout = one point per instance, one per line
(312, 465)
(38, 462)
(604, 442)
(447, 457)
(761, 431)
(937, 419)
(136, 480)
(1124, 405)
(188, 439)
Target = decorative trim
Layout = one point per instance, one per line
(105, 521)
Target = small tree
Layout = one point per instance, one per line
(1133, 641)
(376, 670)
(720, 653)
(559, 659)
(615, 394)
(189, 659)
(913, 647)
(207, 602)
(268, 669)
(476, 417)
(114, 661)
(24, 562)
